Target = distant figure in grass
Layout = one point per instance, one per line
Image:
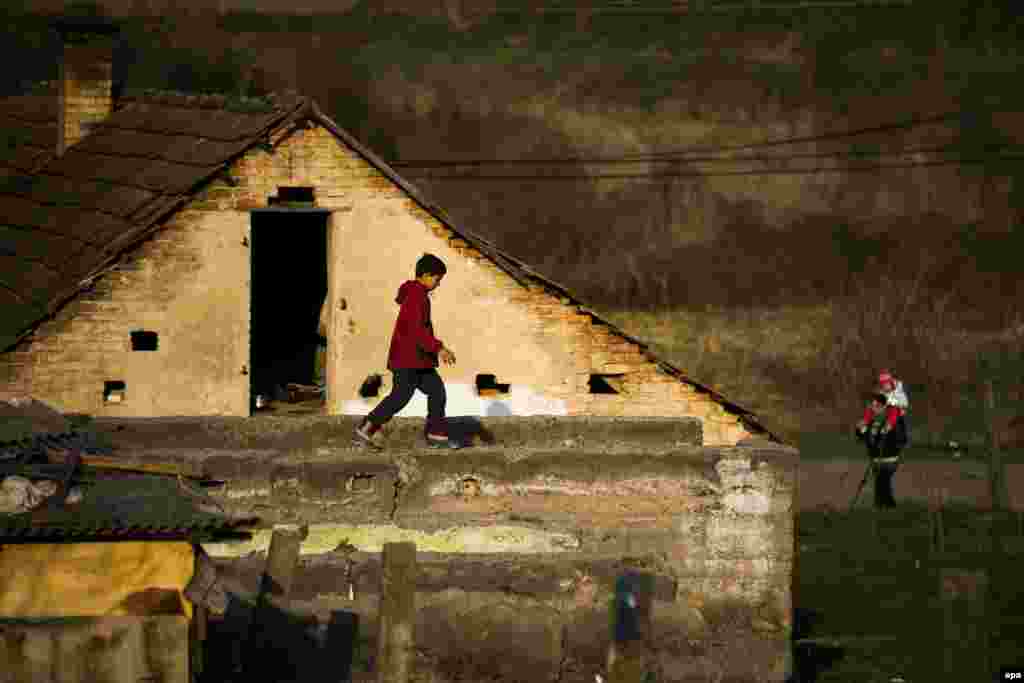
(884, 434)
(413, 359)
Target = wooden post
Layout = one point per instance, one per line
(627, 654)
(965, 632)
(275, 585)
(282, 556)
(397, 612)
(198, 640)
(996, 470)
(938, 541)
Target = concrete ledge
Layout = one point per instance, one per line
(306, 433)
(556, 489)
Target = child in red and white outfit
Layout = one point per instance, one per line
(884, 430)
(895, 397)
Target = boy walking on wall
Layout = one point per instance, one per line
(413, 359)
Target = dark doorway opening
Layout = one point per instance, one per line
(605, 384)
(144, 340)
(289, 286)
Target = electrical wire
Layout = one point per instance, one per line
(841, 154)
(680, 154)
(699, 174)
(702, 8)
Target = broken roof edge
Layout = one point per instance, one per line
(527, 276)
(152, 220)
(238, 104)
(115, 256)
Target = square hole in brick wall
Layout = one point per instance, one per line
(488, 385)
(605, 384)
(361, 483)
(293, 195)
(144, 340)
(371, 386)
(113, 391)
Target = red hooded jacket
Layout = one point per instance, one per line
(892, 414)
(413, 344)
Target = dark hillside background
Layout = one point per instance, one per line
(781, 200)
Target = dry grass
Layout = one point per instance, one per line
(807, 368)
(726, 348)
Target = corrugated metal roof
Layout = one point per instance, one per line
(119, 506)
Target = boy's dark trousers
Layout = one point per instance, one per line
(406, 382)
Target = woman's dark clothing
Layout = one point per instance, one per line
(884, 450)
(884, 472)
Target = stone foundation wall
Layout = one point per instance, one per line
(519, 551)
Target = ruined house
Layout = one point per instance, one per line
(165, 255)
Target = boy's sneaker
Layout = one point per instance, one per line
(362, 437)
(446, 443)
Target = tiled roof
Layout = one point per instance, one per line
(28, 132)
(120, 507)
(65, 220)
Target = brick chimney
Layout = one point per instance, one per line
(86, 76)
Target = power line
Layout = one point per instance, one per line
(842, 154)
(679, 155)
(696, 174)
(706, 8)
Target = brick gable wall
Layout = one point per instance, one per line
(190, 284)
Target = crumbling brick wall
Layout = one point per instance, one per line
(165, 287)
(190, 284)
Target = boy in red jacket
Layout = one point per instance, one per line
(413, 359)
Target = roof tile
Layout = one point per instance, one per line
(195, 122)
(154, 175)
(30, 108)
(181, 149)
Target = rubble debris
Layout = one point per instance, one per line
(18, 494)
(206, 588)
(22, 417)
(32, 432)
(297, 393)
